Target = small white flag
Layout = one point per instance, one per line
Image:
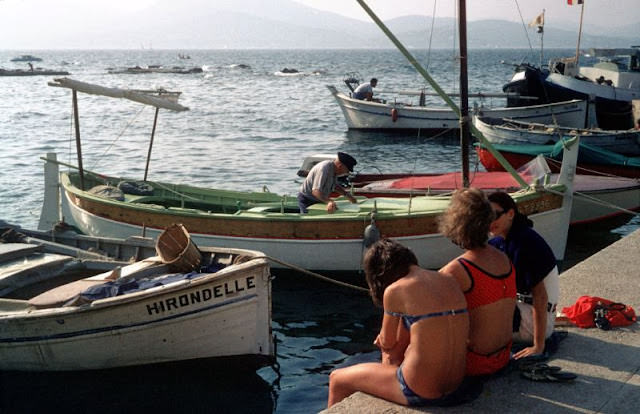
(538, 21)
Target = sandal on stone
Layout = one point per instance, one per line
(546, 373)
(525, 363)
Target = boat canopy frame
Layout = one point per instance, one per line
(159, 98)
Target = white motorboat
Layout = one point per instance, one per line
(396, 116)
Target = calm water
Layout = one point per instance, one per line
(246, 129)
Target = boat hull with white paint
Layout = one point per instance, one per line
(369, 115)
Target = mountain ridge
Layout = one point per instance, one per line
(281, 24)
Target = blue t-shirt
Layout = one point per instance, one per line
(529, 252)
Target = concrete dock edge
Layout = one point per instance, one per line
(607, 362)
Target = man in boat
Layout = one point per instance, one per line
(364, 91)
(322, 180)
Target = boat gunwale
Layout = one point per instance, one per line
(259, 264)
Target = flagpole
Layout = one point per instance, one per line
(542, 40)
(579, 34)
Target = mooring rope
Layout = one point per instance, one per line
(316, 275)
(595, 200)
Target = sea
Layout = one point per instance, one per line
(248, 127)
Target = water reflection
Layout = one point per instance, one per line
(191, 386)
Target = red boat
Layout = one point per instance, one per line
(596, 198)
(591, 160)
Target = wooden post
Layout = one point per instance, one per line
(465, 133)
(76, 120)
(153, 132)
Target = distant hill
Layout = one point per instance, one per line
(275, 24)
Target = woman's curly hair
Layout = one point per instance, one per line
(467, 219)
(385, 262)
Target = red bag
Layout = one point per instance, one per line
(591, 311)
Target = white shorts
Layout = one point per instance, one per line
(525, 333)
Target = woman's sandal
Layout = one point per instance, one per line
(546, 373)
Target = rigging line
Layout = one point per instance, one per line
(454, 61)
(524, 26)
(594, 200)
(170, 190)
(581, 169)
(544, 88)
(433, 23)
(316, 275)
(118, 137)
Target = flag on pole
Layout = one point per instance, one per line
(570, 2)
(538, 21)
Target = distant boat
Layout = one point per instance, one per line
(289, 72)
(26, 58)
(35, 72)
(508, 131)
(137, 70)
(613, 83)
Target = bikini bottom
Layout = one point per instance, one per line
(467, 391)
(479, 364)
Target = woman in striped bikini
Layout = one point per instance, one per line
(423, 336)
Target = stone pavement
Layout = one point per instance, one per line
(607, 362)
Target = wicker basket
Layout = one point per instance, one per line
(176, 249)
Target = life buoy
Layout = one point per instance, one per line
(394, 114)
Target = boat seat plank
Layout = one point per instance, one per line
(62, 294)
(12, 251)
(14, 305)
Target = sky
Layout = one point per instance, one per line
(77, 19)
(597, 12)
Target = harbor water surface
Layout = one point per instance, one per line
(248, 128)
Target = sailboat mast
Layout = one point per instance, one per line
(465, 134)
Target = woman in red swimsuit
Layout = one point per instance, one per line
(487, 279)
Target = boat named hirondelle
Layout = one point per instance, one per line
(147, 312)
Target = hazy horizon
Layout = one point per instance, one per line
(120, 24)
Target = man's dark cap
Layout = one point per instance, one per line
(347, 160)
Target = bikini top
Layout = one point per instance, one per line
(487, 288)
(408, 320)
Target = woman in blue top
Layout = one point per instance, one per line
(536, 274)
(423, 337)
